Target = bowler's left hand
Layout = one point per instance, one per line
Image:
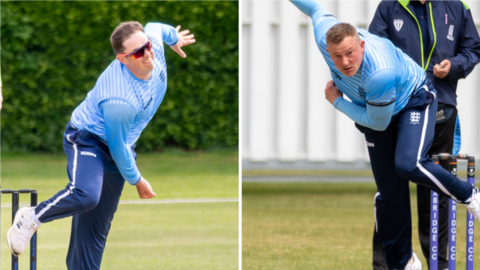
(144, 189)
(332, 92)
(440, 71)
(184, 39)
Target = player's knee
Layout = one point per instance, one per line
(85, 201)
(405, 168)
(89, 203)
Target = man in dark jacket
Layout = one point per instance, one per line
(441, 37)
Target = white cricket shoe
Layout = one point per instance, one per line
(474, 205)
(414, 263)
(23, 228)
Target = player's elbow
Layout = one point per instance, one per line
(381, 125)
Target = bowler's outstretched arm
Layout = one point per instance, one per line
(322, 19)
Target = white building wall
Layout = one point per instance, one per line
(285, 116)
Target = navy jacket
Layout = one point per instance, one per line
(453, 37)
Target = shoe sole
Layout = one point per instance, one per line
(17, 216)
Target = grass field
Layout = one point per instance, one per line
(319, 226)
(143, 236)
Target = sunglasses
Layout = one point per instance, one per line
(140, 52)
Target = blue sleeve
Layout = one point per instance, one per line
(322, 19)
(163, 32)
(468, 50)
(380, 98)
(379, 24)
(374, 117)
(118, 120)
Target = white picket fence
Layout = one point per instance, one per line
(284, 115)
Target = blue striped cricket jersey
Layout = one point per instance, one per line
(120, 105)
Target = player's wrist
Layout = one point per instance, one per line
(336, 101)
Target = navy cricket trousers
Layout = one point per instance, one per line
(91, 197)
(397, 155)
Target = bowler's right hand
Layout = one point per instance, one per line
(332, 92)
(184, 39)
(145, 190)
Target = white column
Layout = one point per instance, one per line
(289, 94)
(352, 12)
(244, 99)
(261, 116)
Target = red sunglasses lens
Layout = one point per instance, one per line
(138, 54)
(141, 52)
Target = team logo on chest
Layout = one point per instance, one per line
(398, 24)
(415, 118)
(450, 32)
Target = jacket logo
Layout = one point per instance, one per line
(370, 144)
(398, 24)
(415, 118)
(450, 32)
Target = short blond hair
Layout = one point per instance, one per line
(340, 31)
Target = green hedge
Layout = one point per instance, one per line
(53, 52)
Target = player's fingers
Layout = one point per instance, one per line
(188, 42)
(181, 53)
(188, 37)
(184, 32)
(178, 28)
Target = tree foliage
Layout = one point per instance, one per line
(53, 52)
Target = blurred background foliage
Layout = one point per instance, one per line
(53, 52)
